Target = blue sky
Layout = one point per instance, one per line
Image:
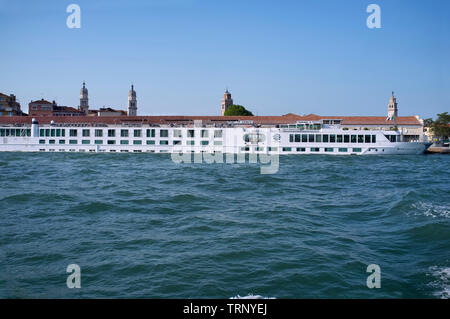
(276, 57)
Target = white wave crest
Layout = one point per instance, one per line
(441, 282)
(251, 296)
(431, 210)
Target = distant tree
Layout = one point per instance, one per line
(237, 110)
(428, 122)
(441, 126)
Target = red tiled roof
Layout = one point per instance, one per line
(172, 119)
(41, 102)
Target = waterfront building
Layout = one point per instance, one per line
(227, 101)
(9, 106)
(45, 108)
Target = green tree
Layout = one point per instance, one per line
(237, 110)
(428, 122)
(441, 126)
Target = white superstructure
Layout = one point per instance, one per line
(238, 137)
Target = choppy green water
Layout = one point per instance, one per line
(140, 225)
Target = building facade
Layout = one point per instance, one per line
(9, 106)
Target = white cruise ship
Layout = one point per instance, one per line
(252, 135)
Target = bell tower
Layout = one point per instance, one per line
(84, 100)
(227, 101)
(132, 102)
(392, 107)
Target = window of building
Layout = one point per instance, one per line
(71, 132)
(111, 133)
(98, 133)
(86, 133)
(137, 133)
(123, 133)
(164, 133)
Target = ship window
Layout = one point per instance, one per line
(163, 142)
(58, 132)
(301, 149)
(245, 149)
(272, 148)
(164, 133)
(291, 138)
(297, 138)
(357, 150)
(73, 142)
(137, 133)
(205, 142)
(346, 138)
(287, 149)
(329, 149)
(71, 132)
(86, 133)
(176, 142)
(151, 132)
(177, 133)
(111, 142)
(124, 142)
(47, 132)
(315, 149)
(339, 138)
(367, 138)
(342, 150)
(150, 142)
(311, 138)
(204, 133)
(332, 138)
(52, 132)
(98, 133)
(304, 138)
(353, 138)
(123, 133)
(41, 132)
(325, 138)
(41, 141)
(217, 133)
(190, 133)
(190, 142)
(374, 138)
(137, 142)
(85, 142)
(360, 138)
(318, 138)
(2, 132)
(98, 142)
(111, 133)
(217, 142)
(62, 142)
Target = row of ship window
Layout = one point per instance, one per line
(331, 138)
(127, 142)
(317, 149)
(15, 132)
(126, 133)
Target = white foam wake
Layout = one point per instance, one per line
(441, 282)
(431, 210)
(251, 296)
